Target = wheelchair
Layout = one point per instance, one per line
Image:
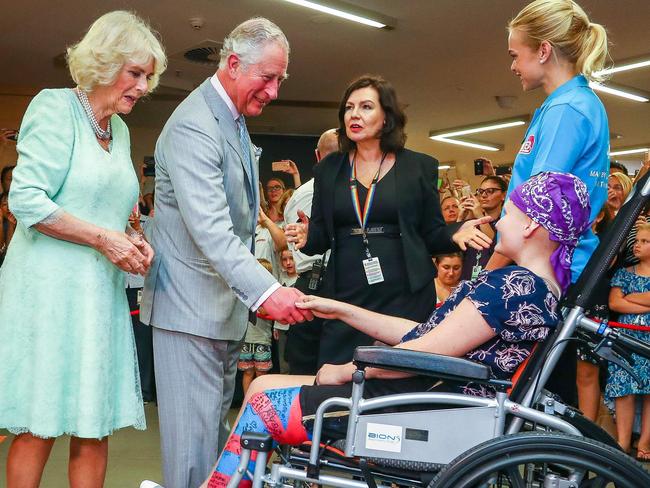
(523, 437)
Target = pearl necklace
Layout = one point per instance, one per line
(102, 134)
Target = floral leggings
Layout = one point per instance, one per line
(274, 412)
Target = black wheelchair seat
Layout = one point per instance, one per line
(421, 363)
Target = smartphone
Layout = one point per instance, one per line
(280, 165)
(478, 166)
(466, 191)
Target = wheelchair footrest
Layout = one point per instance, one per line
(334, 460)
(256, 441)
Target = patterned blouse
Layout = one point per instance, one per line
(516, 303)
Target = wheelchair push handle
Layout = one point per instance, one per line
(595, 271)
(632, 344)
(620, 339)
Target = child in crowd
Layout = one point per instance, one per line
(287, 278)
(495, 320)
(629, 297)
(255, 356)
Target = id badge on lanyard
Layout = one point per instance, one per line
(477, 268)
(371, 265)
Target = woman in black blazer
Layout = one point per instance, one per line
(376, 206)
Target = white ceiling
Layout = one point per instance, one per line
(447, 59)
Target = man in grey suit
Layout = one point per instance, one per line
(205, 279)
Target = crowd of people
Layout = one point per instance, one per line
(224, 273)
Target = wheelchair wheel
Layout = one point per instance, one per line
(538, 460)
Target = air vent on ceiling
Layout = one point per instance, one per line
(207, 52)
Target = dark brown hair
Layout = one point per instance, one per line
(503, 185)
(392, 137)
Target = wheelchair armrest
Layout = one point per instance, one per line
(420, 363)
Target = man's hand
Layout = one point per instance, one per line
(470, 235)
(297, 233)
(281, 306)
(335, 374)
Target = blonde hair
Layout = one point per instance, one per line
(285, 198)
(567, 28)
(114, 39)
(643, 228)
(266, 263)
(625, 182)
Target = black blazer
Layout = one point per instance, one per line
(422, 228)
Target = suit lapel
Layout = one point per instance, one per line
(329, 181)
(223, 115)
(401, 187)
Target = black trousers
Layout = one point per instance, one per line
(303, 340)
(144, 347)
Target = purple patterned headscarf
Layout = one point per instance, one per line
(559, 202)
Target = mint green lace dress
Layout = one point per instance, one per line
(67, 355)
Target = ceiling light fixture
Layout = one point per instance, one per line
(618, 92)
(476, 145)
(450, 135)
(628, 66)
(349, 12)
(631, 150)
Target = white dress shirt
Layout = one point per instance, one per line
(301, 200)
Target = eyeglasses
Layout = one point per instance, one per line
(487, 191)
(274, 188)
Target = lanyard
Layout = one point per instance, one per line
(362, 213)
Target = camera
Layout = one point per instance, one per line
(478, 166)
(149, 166)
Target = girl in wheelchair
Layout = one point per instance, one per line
(495, 320)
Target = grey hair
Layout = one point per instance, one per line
(248, 38)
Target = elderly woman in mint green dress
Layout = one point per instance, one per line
(66, 342)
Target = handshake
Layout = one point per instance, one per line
(281, 306)
(307, 306)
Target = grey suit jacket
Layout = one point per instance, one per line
(204, 277)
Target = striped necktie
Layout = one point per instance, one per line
(244, 142)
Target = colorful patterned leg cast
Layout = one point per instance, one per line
(275, 412)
